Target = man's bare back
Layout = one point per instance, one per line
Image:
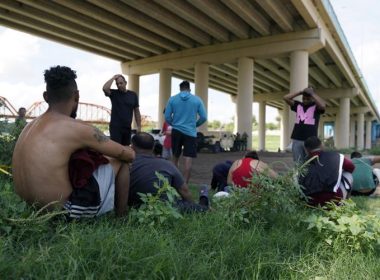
(41, 157)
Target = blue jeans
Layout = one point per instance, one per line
(298, 150)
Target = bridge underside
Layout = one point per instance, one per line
(254, 50)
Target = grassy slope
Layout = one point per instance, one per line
(198, 247)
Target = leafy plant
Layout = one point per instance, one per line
(345, 225)
(155, 210)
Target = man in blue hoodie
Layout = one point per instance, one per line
(185, 112)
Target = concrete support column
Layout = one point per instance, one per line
(234, 100)
(360, 132)
(245, 98)
(201, 87)
(321, 129)
(299, 79)
(343, 120)
(262, 107)
(368, 134)
(352, 132)
(134, 85)
(165, 88)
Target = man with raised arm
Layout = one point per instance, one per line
(307, 118)
(125, 103)
(58, 161)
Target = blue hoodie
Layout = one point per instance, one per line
(182, 113)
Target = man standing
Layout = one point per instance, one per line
(307, 118)
(182, 111)
(42, 161)
(144, 178)
(124, 104)
(328, 176)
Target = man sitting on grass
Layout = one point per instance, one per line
(41, 159)
(143, 176)
(327, 177)
(365, 182)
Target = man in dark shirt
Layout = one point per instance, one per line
(307, 118)
(124, 104)
(143, 175)
(328, 176)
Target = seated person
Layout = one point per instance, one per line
(327, 177)
(157, 149)
(242, 170)
(365, 182)
(219, 175)
(143, 176)
(45, 146)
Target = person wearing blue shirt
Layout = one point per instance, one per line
(185, 112)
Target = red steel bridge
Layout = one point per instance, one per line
(87, 112)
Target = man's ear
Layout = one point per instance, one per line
(45, 96)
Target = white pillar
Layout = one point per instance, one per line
(234, 100)
(245, 98)
(201, 87)
(134, 85)
(321, 129)
(285, 127)
(368, 134)
(299, 79)
(165, 88)
(343, 120)
(262, 106)
(360, 132)
(352, 132)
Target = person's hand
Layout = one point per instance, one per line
(116, 76)
(309, 90)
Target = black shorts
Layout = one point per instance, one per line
(188, 143)
(121, 135)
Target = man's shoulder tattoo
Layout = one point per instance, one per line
(99, 136)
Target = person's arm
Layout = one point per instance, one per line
(202, 114)
(321, 104)
(137, 118)
(289, 97)
(92, 137)
(375, 159)
(264, 168)
(108, 84)
(185, 193)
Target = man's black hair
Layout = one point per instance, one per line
(356, 154)
(252, 154)
(312, 143)
(185, 85)
(60, 83)
(157, 148)
(121, 76)
(305, 94)
(143, 141)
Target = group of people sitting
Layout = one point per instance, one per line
(327, 176)
(61, 162)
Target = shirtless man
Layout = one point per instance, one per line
(43, 150)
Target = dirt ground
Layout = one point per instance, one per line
(203, 164)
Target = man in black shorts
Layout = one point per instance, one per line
(185, 112)
(125, 103)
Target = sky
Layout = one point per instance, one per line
(23, 59)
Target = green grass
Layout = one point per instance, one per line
(201, 246)
(272, 142)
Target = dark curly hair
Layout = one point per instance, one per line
(60, 83)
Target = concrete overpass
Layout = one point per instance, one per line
(254, 50)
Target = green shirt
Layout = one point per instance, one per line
(363, 176)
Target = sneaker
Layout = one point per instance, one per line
(203, 196)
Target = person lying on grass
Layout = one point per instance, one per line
(91, 184)
(144, 178)
(242, 170)
(328, 174)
